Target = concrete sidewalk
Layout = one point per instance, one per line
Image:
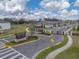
(53, 54)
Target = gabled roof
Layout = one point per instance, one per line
(2, 21)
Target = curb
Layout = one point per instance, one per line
(43, 50)
(25, 43)
(59, 50)
(39, 52)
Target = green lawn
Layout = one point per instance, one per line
(73, 52)
(13, 30)
(44, 53)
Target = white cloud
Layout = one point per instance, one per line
(52, 8)
(72, 14)
(65, 4)
(62, 14)
(1, 6)
(61, 7)
(76, 3)
(39, 14)
(12, 6)
(55, 4)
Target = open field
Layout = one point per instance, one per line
(73, 52)
(13, 30)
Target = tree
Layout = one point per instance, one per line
(21, 21)
(78, 28)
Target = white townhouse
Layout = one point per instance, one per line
(4, 25)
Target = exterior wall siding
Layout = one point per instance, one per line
(4, 26)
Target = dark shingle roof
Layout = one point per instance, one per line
(2, 21)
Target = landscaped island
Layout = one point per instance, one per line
(14, 43)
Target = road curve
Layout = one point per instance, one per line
(53, 54)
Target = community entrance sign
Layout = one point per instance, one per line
(20, 36)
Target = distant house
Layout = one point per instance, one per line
(4, 25)
(48, 26)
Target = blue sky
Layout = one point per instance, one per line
(73, 7)
(35, 9)
(32, 4)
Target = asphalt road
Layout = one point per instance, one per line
(31, 48)
(9, 53)
(11, 38)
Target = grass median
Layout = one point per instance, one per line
(14, 43)
(45, 52)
